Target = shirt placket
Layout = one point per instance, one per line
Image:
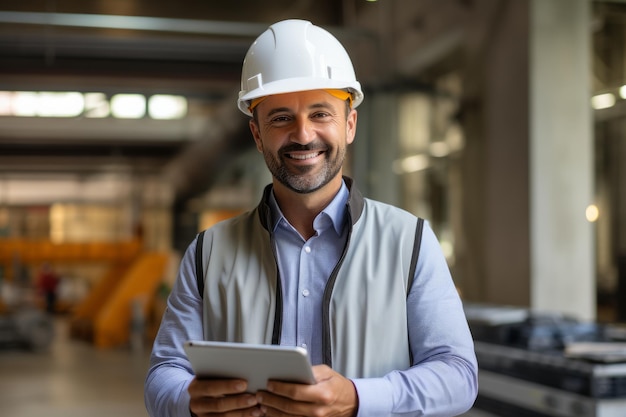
(304, 297)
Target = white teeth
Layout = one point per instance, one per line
(305, 156)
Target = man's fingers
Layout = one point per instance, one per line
(216, 387)
(276, 405)
(226, 396)
(234, 405)
(332, 395)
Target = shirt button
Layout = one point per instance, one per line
(307, 249)
(305, 293)
(303, 345)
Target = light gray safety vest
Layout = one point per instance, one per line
(364, 307)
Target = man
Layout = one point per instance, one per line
(361, 284)
(48, 282)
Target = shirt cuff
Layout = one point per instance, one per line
(375, 397)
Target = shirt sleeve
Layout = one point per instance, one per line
(442, 380)
(170, 373)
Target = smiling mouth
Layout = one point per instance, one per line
(303, 156)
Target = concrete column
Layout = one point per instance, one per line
(561, 163)
(493, 251)
(528, 170)
(375, 148)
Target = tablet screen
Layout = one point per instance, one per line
(255, 363)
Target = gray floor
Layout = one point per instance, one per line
(72, 379)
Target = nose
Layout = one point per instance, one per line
(303, 131)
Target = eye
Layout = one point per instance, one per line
(280, 119)
(320, 115)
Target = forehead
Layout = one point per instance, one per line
(300, 99)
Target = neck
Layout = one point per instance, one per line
(301, 209)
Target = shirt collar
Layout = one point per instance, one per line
(335, 210)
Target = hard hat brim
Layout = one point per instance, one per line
(294, 85)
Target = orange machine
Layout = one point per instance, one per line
(104, 315)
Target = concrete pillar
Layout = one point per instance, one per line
(493, 248)
(528, 170)
(561, 158)
(375, 148)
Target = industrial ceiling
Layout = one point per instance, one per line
(195, 49)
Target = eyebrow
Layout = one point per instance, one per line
(322, 105)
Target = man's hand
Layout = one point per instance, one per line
(332, 395)
(221, 397)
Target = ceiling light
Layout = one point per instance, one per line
(97, 105)
(60, 104)
(592, 213)
(25, 103)
(167, 107)
(5, 103)
(439, 149)
(603, 101)
(128, 106)
(409, 164)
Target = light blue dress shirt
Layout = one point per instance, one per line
(304, 269)
(440, 384)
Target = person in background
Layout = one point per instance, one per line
(48, 284)
(362, 285)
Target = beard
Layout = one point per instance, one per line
(303, 180)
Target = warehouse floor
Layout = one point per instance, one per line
(72, 379)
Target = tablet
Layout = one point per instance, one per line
(255, 363)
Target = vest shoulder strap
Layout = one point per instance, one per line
(199, 264)
(416, 252)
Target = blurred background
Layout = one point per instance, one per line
(502, 122)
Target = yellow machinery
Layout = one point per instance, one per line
(126, 290)
(128, 300)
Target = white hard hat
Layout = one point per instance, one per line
(295, 55)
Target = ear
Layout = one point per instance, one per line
(254, 128)
(351, 126)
